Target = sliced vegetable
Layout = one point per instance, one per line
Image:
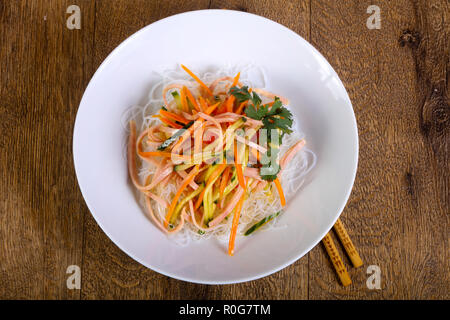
(237, 214)
(204, 86)
(238, 165)
(173, 116)
(224, 181)
(262, 222)
(280, 191)
(177, 134)
(185, 183)
(177, 99)
(183, 202)
(182, 167)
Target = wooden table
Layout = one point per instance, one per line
(398, 214)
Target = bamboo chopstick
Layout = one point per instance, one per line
(336, 260)
(348, 244)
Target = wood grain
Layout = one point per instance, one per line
(43, 77)
(397, 215)
(399, 207)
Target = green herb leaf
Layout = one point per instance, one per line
(273, 117)
(241, 94)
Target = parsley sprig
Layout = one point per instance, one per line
(272, 117)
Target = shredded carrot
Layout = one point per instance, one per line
(236, 79)
(183, 98)
(224, 182)
(192, 99)
(168, 122)
(229, 104)
(237, 214)
(241, 107)
(204, 86)
(199, 199)
(186, 182)
(239, 171)
(212, 108)
(203, 104)
(173, 116)
(280, 191)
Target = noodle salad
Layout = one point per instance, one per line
(215, 157)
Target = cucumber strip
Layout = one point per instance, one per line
(262, 222)
(181, 167)
(177, 99)
(175, 136)
(198, 158)
(210, 171)
(227, 190)
(206, 206)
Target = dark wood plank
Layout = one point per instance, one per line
(398, 212)
(43, 77)
(294, 14)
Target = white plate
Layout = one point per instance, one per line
(294, 69)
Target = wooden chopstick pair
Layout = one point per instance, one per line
(334, 254)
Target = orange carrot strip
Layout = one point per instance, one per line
(192, 99)
(168, 122)
(183, 98)
(199, 199)
(236, 80)
(241, 107)
(280, 191)
(185, 183)
(203, 104)
(229, 104)
(224, 182)
(212, 108)
(237, 214)
(239, 171)
(197, 79)
(173, 116)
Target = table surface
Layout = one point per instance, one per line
(398, 213)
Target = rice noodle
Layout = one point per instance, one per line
(263, 199)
